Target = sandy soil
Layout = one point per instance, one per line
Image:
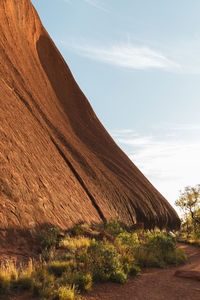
(155, 284)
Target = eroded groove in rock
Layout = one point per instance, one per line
(80, 181)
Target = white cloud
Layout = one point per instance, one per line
(125, 55)
(169, 162)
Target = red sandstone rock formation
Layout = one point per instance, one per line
(58, 164)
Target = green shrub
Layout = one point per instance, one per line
(162, 241)
(113, 227)
(134, 270)
(119, 277)
(66, 293)
(50, 237)
(104, 260)
(84, 282)
(77, 230)
(128, 239)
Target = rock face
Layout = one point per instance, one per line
(58, 164)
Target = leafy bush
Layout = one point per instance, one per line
(79, 229)
(50, 237)
(164, 241)
(134, 270)
(128, 239)
(104, 260)
(119, 277)
(113, 227)
(84, 282)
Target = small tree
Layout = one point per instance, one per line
(189, 202)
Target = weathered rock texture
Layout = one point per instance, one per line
(57, 162)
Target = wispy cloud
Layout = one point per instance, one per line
(125, 55)
(169, 162)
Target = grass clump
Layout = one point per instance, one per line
(66, 293)
(14, 278)
(59, 267)
(73, 244)
(176, 257)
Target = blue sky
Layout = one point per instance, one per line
(138, 63)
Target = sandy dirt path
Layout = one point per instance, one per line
(155, 284)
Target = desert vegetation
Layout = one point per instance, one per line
(69, 264)
(189, 203)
